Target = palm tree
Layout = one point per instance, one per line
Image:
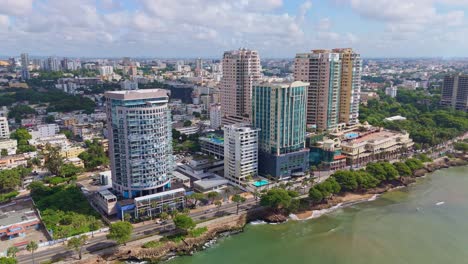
(31, 247)
(238, 200)
(77, 243)
(94, 225)
(11, 252)
(256, 194)
(218, 204)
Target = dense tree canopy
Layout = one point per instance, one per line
(427, 122)
(120, 232)
(94, 156)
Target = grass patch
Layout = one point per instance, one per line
(177, 238)
(152, 244)
(198, 231)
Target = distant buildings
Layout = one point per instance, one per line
(4, 129)
(129, 85)
(140, 137)
(240, 152)
(391, 91)
(241, 68)
(335, 86)
(215, 116)
(455, 92)
(24, 66)
(106, 70)
(279, 111)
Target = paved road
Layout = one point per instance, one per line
(100, 242)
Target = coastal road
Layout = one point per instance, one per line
(100, 242)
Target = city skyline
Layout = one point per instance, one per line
(204, 28)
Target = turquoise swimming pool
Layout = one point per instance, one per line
(260, 183)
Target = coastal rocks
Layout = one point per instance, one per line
(420, 172)
(275, 218)
(187, 247)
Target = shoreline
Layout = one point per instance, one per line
(349, 199)
(234, 224)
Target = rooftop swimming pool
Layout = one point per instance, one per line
(260, 183)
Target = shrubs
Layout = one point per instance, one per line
(198, 231)
(152, 244)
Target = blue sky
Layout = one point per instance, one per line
(205, 28)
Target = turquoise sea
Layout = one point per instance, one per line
(422, 224)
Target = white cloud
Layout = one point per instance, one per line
(15, 7)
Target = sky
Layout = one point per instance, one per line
(206, 28)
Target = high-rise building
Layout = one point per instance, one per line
(140, 141)
(335, 86)
(350, 90)
(455, 92)
(241, 68)
(279, 111)
(24, 66)
(199, 68)
(322, 69)
(240, 152)
(4, 129)
(215, 116)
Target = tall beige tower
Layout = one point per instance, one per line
(335, 86)
(322, 69)
(350, 91)
(241, 68)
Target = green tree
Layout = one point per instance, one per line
(11, 252)
(7, 260)
(276, 199)
(461, 146)
(120, 232)
(21, 134)
(238, 200)
(403, 169)
(347, 180)
(414, 164)
(50, 119)
(315, 195)
(184, 222)
(195, 198)
(390, 172)
(164, 216)
(53, 160)
(187, 123)
(32, 247)
(94, 156)
(218, 204)
(212, 196)
(377, 171)
(69, 171)
(4, 153)
(77, 243)
(365, 180)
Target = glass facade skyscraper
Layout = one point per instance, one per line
(140, 137)
(279, 111)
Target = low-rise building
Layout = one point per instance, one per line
(9, 145)
(17, 218)
(151, 205)
(212, 144)
(69, 152)
(106, 201)
(210, 183)
(372, 145)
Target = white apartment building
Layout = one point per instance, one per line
(240, 152)
(4, 129)
(129, 85)
(391, 91)
(215, 116)
(106, 70)
(8, 144)
(42, 131)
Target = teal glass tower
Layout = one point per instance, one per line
(140, 141)
(279, 110)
